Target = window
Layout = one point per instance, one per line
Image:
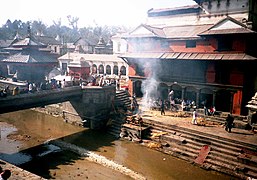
(123, 70)
(115, 70)
(224, 44)
(64, 68)
(101, 69)
(118, 48)
(190, 44)
(94, 69)
(108, 69)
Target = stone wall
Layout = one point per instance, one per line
(92, 109)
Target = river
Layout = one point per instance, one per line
(22, 142)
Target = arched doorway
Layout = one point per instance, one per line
(223, 98)
(206, 98)
(163, 91)
(177, 91)
(190, 94)
(137, 88)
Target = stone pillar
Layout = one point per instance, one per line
(214, 98)
(231, 101)
(183, 93)
(197, 98)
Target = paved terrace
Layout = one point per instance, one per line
(204, 125)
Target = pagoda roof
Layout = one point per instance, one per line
(31, 57)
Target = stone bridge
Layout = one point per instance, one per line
(91, 104)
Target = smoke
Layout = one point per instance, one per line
(149, 86)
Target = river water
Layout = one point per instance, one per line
(22, 142)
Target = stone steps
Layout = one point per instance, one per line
(122, 99)
(222, 157)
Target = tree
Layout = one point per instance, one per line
(38, 27)
(73, 22)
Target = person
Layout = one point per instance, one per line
(212, 111)
(162, 108)
(63, 83)
(5, 174)
(30, 87)
(194, 120)
(206, 113)
(118, 84)
(229, 123)
(182, 105)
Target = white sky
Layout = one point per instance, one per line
(103, 12)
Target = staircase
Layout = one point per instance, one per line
(122, 103)
(225, 156)
(122, 99)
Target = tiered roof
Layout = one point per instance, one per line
(253, 103)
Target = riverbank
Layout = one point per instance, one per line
(54, 163)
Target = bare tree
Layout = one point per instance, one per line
(73, 22)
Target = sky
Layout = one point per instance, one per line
(94, 12)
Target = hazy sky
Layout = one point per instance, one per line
(102, 12)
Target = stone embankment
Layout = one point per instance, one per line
(229, 156)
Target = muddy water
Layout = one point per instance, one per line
(22, 140)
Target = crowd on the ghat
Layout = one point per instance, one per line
(32, 87)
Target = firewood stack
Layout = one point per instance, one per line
(134, 119)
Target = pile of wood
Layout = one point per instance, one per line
(180, 114)
(134, 119)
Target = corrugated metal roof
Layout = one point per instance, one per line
(190, 56)
(182, 32)
(227, 31)
(209, 56)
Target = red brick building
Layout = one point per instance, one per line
(200, 55)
